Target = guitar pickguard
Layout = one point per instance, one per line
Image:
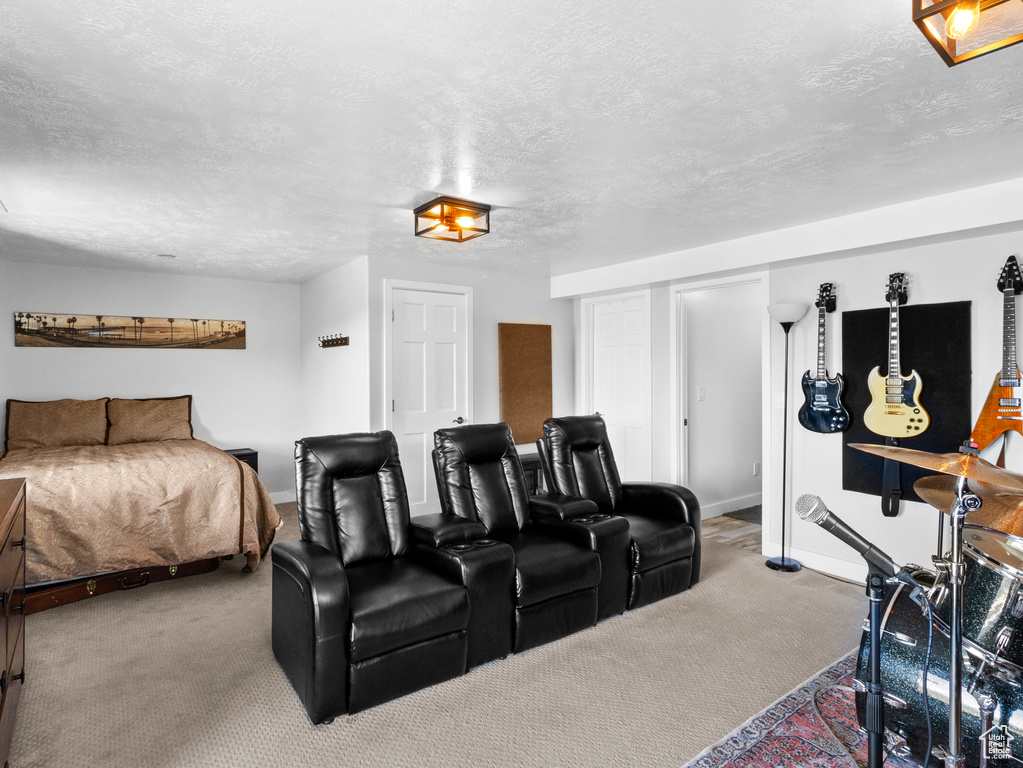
(895, 419)
(1001, 413)
(822, 409)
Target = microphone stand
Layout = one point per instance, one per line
(875, 691)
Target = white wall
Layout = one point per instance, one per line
(335, 380)
(957, 271)
(241, 398)
(498, 297)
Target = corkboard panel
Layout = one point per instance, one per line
(524, 372)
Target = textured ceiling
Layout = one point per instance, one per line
(275, 140)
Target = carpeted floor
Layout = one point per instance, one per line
(180, 675)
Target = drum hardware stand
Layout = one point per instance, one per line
(987, 720)
(875, 692)
(1002, 643)
(965, 502)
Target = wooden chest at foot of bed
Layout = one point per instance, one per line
(43, 596)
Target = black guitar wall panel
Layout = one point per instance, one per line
(934, 340)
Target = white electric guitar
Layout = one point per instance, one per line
(895, 409)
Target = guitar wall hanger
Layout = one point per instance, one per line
(335, 340)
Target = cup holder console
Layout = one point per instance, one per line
(469, 545)
(590, 518)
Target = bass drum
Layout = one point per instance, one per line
(903, 651)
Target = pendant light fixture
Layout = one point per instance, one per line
(961, 30)
(448, 218)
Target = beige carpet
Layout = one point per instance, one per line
(180, 675)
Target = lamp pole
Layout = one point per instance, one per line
(786, 315)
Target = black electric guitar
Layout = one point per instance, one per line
(1002, 411)
(895, 409)
(823, 410)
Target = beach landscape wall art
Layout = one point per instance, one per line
(44, 329)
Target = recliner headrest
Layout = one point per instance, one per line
(580, 432)
(351, 455)
(482, 444)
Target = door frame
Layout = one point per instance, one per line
(678, 366)
(584, 358)
(390, 286)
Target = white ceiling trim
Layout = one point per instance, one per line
(941, 217)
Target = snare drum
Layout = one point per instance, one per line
(903, 650)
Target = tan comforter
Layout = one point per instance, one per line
(96, 509)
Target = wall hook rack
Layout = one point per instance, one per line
(334, 340)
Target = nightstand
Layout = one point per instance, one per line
(247, 455)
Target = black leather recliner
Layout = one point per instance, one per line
(664, 519)
(557, 566)
(361, 615)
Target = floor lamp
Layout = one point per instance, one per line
(787, 314)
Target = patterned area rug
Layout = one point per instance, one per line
(814, 726)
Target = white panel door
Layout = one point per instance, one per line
(429, 358)
(620, 387)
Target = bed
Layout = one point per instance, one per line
(121, 488)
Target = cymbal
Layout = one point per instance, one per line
(959, 464)
(1002, 508)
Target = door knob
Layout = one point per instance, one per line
(459, 420)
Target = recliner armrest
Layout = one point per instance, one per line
(662, 499)
(443, 529)
(486, 568)
(310, 625)
(557, 506)
(666, 500)
(318, 572)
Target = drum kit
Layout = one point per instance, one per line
(951, 677)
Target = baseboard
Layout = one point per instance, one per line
(832, 566)
(716, 510)
(282, 497)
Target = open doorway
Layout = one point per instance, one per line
(720, 395)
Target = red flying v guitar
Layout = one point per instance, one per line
(1002, 411)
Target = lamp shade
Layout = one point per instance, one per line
(787, 312)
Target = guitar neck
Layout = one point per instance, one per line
(1009, 369)
(822, 368)
(894, 366)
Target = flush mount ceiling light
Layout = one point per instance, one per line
(961, 30)
(448, 218)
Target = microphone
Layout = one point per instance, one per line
(811, 508)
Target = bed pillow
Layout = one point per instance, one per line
(149, 421)
(56, 423)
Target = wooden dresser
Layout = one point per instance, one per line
(12, 605)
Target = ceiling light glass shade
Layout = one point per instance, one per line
(448, 218)
(786, 312)
(962, 20)
(961, 30)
